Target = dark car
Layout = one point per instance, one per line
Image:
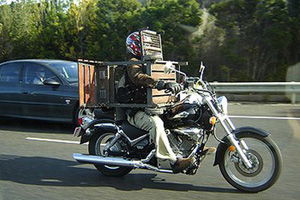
(39, 89)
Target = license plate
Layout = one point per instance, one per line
(77, 132)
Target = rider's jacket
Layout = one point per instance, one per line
(138, 77)
(134, 84)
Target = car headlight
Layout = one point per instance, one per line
(223, 103)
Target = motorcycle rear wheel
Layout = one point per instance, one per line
(96, 147)
(265, 157)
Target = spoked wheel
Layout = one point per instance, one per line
(96, 147)
(266, 161)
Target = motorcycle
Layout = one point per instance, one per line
(247, 157)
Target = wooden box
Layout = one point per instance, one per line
(98, 83)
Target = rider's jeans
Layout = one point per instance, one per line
(156, 129)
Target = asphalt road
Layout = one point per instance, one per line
(38, 170)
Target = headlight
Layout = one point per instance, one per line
(223, 103)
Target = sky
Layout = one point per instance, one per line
(6, 1)
(9, 1)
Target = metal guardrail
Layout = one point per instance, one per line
(291, 88)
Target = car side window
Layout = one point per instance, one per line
(36, 74)
(10, 73)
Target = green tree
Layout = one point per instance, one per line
(170, 17)
(80, 22)
(294, 13)
(112, 25)
(18, 29)
(257, 37)
(5, 27)
(207, 41)
(51, 30)
(238, 39)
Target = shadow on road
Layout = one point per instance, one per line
(36, 126)
(57, 172)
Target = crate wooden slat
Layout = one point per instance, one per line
(81, 84)
(86, 75)
(92, 79)
(156, 92)
(112, 95)
(158, 67)
(163, 76)
(163, 99)
(103, 85)
(87, 91)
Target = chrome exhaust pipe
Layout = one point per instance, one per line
(92, 159)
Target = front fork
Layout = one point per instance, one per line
(229, 128)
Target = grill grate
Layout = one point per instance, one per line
(151, 45)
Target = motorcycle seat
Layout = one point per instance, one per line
(131, 131)
(99, 114)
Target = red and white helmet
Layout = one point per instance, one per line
(133, 44)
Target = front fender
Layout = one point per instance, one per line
(97, 126)
(242, 131)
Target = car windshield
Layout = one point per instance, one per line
(66, 69)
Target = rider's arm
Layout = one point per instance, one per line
(138, 77)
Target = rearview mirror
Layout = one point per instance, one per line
(169, 67)
(201, 70)
(51, 82)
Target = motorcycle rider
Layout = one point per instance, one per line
(135, 77)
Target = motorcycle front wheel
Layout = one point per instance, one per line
(266, 161)
(96, 147)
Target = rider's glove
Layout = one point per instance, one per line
(174, 87)
(169, 86)
(160, 85)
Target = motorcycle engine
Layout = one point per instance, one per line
(183, 139)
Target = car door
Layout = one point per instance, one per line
(45, 101)
(10, 89)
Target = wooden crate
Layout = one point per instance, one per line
(97, 84)
(160, 97)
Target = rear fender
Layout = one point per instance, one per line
(242, 131)
(97, 126)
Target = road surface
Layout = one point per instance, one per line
(36, 163)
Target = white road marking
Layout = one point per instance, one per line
(231, 116)
(52, 140)
(51, 180)
(264, 117)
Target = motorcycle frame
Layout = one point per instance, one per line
(142, 163)
(120, 133)
(229, 129)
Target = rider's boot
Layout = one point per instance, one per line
(181, 164)
(209, 150)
